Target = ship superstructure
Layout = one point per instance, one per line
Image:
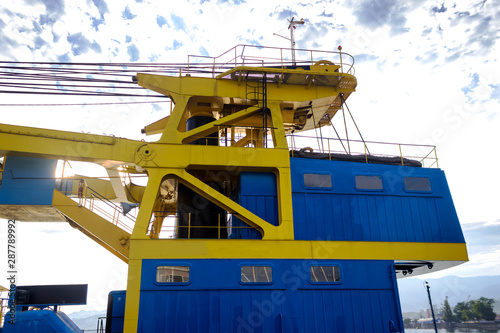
(246, 224)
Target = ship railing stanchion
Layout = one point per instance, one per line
(436, 156)
(340, 55)
(401, 155)
(213, 69)
(329, 151)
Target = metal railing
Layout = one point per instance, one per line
(252, 55)
(96, 203)
(170, 227)
(426, 155)
(101, 325)
(239, 136)
(4, 306)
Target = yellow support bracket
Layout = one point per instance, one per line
(209, 128)
(268, 231)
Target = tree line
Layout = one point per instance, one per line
(470, 310)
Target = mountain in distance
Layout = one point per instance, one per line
(87, 320)
(413, 294)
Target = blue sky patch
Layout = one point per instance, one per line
(176, 44)
(80, 44)
(473, 84)
(203, 51)
(127, 14)
(178, 22)
(161, 21)
(64, 58)
(495, 92)
(133, 52)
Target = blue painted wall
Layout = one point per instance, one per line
(257, 193)
(116, 311)
(27, 181)
(215, 300)
(344, 212)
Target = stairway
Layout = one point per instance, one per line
(107, 234)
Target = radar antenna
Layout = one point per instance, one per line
(292, 26)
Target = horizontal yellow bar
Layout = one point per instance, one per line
(285, 71)
(261, 249)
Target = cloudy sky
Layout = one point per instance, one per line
(428, 73)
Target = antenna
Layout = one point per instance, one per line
(292, 26)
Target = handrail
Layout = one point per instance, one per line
(3, 310)
(425, 154)
(173, 227)
(240, 58)
(87, 197)
(101, 326)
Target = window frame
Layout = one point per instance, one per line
(316, 173)
(417, 191)
(369, 189)
(341, 274)
(259, 264)
(177, 264)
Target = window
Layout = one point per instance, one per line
(256, 274)
(172, 274)
(317, 180)
(420, 184)
(369, 182)
(325, 274)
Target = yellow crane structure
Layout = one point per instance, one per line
(252, 104)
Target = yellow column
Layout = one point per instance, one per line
(171, 133)
(147, 204)
(284, 181)
(133, 294)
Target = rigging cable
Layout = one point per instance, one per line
(359, 132)
(345, 123)
(338, 136)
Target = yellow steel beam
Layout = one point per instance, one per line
(154, 155)
(196, 86)
(148, 203)
(156, 127)
(315, 70)
(284, 249)
(214, 126)
(133, 295)
(38, 142)
(103, 187)
(108, 235)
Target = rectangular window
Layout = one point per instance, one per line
(369, 182)
(325, 274)
(420, 184)
(255, 274)
(317, 180)
(172, 274)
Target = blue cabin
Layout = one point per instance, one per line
(332, 201)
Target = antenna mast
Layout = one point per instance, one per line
(292, 26)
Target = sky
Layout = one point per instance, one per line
(428, 73)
